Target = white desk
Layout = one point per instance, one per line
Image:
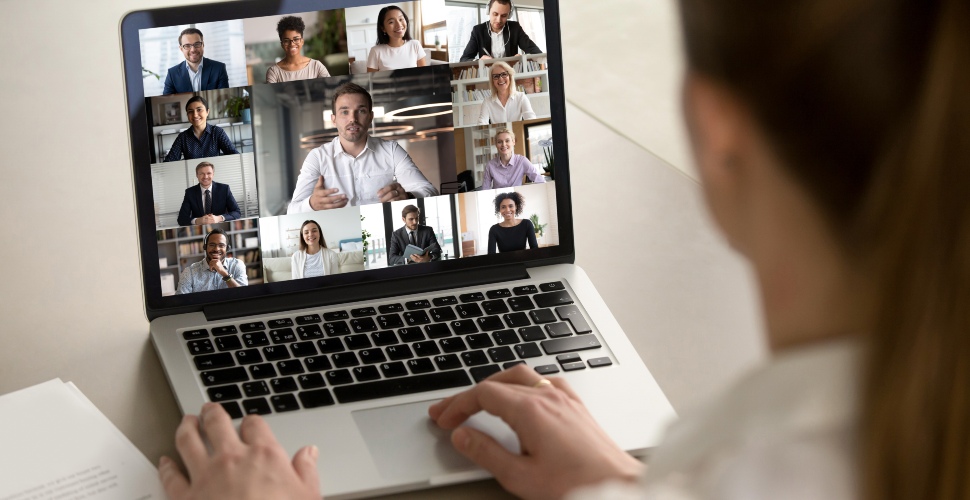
(71, 295)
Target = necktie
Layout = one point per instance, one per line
(208, 203)
(412, 238)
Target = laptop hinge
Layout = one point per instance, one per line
(367, 291)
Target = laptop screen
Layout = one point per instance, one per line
(285, 147)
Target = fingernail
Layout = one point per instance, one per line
(314, 452)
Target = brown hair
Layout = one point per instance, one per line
(867, 106)
(350, 88)
(408, 209)
(323, 241)
(203, 165)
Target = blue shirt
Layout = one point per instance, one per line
(198, 277)
(213, 140)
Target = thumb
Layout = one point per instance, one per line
(305, 464)
(486, 452)
(320, 184)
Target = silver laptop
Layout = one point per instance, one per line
(340, 224)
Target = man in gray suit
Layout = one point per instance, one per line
(412, 234)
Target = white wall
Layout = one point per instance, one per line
(263, 29)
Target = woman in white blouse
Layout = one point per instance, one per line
(506, 104)
(313, 258)
(395, 49)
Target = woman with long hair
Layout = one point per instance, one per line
(313, 258)
(395, 49)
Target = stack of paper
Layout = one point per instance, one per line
(55, 444)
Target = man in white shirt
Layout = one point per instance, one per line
(354, 168)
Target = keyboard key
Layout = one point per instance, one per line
(425, 348)
(361, 312)
(390, 321)
(510, 364)
(417, 304)
(575, 317)
(279, 323)
(338, 377)
(248, 356)
(468, 310)
(552, 286)
(371, 356)
(253, 389)
(366, 373)
(395, 369)
(569, 344)
(232, 408)
(556, 330)
(311, 381)
(257, 339)
(258, 406)
(542, 316)
(303, 349)
(224, 393)
(402, 385)
(576, 365)
(498, 294)
(213, 361)
(450, 300)
(203, 346)
(316, 399)
(489, 323)
(420, 365)
(413, 318)
(525, 290)
(276, 352)
(309, 332)
(547, 369)
(437, 331)
(411, 334)
(283, 384)
(495, 307)
(500, 354)
(455, 344)
(444, 362)
(471, 297)
(552, 299)
(521, 304)
(355, 342)
(284, 403)
(399, 352)
(344, 359)
(528, 350)
(289, 367)
(479, 341)
(362, 325)
(480, 373)
(336, 328)
(474, 358)
(317, 363)
(464, 327)
(225, 376)
(598, 362)
(505, 337)
(224, 330)
(195, 334)
(443, 314)
(262, 371)
(307, 319)
(532, 334)
(390, 308)
(328, 346)
(228, 343)
(282, 336)
(384, 337)
(568, 358)
(335, 315)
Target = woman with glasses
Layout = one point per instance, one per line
(395, 48)
(294, 65)
(505, 104)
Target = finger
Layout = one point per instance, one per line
(519, 374)
(189, 444)
(499, 399)
(175, 483)
(255, 430)
(341, 201)
(325, 191)
(434, 411)
(218, 427)
(305, 464)
(488, 453)
(320, 183)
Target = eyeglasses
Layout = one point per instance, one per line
(217, 246)
(196, 45)
(294, 41)
(500, 76)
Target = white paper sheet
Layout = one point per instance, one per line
(56, 445)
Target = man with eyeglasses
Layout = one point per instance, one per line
(498, 37)
(196, 72)
(215, 271)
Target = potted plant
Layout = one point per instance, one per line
(239, 107)
(364, 235)
(535, 223)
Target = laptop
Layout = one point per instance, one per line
(269, 296)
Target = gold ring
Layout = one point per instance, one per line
(541, 383)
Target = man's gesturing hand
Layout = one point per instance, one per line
(325, 199)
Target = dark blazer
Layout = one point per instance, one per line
(214, 76)
(424, 239)
(223, 204)
(480, 43)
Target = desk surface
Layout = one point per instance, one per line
(72, 305)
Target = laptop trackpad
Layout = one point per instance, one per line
(406, 444)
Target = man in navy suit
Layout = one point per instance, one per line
(196, 72)
(413, 234)
(208, 202)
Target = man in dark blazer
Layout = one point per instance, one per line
(423, 237)
(221, 204)
(513, 36)
(186, 75)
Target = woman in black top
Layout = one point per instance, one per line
(511, 234)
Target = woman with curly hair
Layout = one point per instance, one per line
(511, 234)
(294, 65)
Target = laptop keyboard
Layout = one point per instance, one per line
(351, 355)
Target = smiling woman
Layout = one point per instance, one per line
(294, 65)
(395, 48)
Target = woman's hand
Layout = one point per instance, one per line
(562, 446)
(247, 464)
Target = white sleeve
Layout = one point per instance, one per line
(483, 113)
(418, 50)
(294, 267)
(239, 272)
(309, 174)
(408, 174)
(372, 59)
(526, 108)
